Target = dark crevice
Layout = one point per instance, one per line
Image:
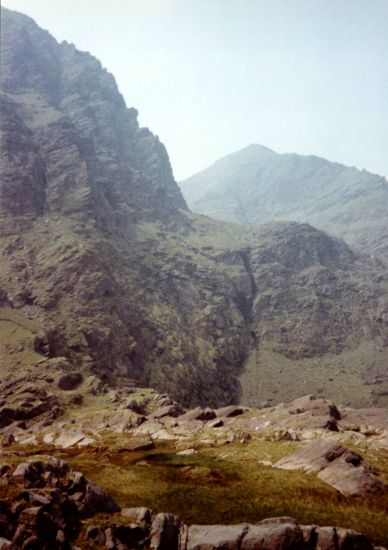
(246, 304)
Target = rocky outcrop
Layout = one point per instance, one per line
(341, 468)
(47, 514)
(167, 532)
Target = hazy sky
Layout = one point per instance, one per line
(212, 76)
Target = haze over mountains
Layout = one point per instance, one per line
(112, 291)
(257, 185)
(103, 263)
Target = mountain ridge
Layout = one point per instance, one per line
(257, 185)
(101, 254)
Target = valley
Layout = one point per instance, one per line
(168, 380)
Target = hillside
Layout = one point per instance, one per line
(257, 185)
(154, 362)
(104, 267)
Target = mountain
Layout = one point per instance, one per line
(106, 274)
(257, 185)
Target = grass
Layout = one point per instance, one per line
(275, 378)
(227, 484)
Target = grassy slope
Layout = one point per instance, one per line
(270, 376)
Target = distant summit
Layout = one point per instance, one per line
(257, 185)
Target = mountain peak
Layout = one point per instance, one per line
(258, 185)
(109, 167)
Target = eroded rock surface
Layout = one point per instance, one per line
(47, 514)
(341, 468)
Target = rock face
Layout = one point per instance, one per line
(257, 185)
(108, 273)
(341, 468)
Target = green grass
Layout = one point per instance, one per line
(273, 377)
(228, 485)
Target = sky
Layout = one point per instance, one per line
(210, 77)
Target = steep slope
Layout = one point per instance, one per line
(257, 185)
(102, 262)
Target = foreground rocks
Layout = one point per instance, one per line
(341, 468)
(48, 503)
(167, 532)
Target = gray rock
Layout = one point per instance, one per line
(139, 515)
(216, 537)
(91, 499)
(28, 474)
(173, 410)
(274, 534)
(165, 532)
(344, 470)
(198, 414)
(230, 411)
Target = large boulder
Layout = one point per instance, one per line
(274, 534)
(215, 537)
(230, 411)
(341, 468)
(173, 410)
(89, 498)
(198, 414)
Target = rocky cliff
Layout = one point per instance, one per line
(257, 185)
(102, 262)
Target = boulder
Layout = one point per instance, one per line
(341, 468)
(70, 380)
(218, 423)
(274, 534)
(92, 499)
(125, 420)
(165, 531)
(348, 538)
(216, 537)
(198, 414)
(29, 474)
(69, 439)
(316, 407)
(230, 411)
(173, 410)
(125, 536)
(349, 479)
(134, 406)
(141, 515)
